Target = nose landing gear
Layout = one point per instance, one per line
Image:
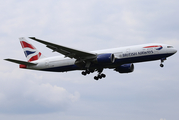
(162, 60)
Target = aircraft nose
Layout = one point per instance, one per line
(174, 51)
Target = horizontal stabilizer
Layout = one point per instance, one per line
(20, 62)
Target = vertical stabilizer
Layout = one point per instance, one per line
(31, 53)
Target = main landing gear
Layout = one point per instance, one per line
(85, 72)
(162, 60)
(99, 76)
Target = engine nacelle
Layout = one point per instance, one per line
(105, 58)
(125, 68)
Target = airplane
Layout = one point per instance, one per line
(120, 59)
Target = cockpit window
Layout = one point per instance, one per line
(169, 46)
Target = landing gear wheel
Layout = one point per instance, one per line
(161, 65)
(83, 73)
(99, 76)
(96, 78)
(103, 75)
(88, 72)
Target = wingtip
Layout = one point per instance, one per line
(6, 59)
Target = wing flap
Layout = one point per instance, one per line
(20, 62)
(68, 52)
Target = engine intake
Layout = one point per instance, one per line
(125, 68)
(105, 58)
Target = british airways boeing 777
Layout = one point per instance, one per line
(119, 59)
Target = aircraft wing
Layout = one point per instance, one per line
(68, 52)
(20, 62)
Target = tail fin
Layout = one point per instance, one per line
(31, 53)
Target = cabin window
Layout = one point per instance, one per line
(169, 46)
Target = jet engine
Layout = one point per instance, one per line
(105, 58)
(125, 68)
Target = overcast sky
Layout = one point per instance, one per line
(149, 93)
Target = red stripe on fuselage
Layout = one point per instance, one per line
(36, 57)
(153, 46)
(26, 45)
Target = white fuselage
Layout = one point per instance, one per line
(123, 55)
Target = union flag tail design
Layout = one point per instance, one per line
(31, 53)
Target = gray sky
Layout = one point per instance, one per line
(149, 93)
